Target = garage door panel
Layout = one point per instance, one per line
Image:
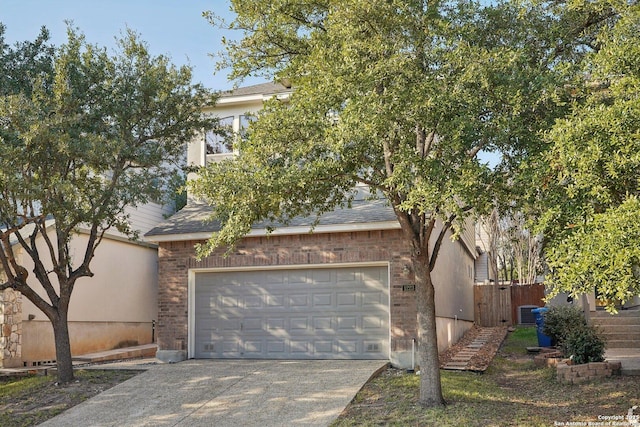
(347, 347)
(299, 300)
(316, 313)
(276, 301)
(298, 325)
(299, 347)
(274, 323)
(373, 323)
(347, 324)
(252, 324)
(347, 299)
(346, 276)
(253, 301)
(231, 347)
(319, 277)
(373, 298)
(323, 347)
(322, 300)
(276, 348)
(275, 276)
(322, 323)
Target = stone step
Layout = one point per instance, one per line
(623, 336)
(622, 344)
(621, 313)
(146, 350)
(626, 329)
(618, 321)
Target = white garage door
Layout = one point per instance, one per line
(338, 313)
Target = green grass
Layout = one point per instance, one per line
(519, 340)
(512, 392)
(31, 400)
(22, 385)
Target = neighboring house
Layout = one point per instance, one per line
(344, 291)
(485, 266)
(116, 307)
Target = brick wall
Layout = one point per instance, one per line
(176, 258)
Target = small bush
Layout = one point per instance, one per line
(584, 345)
(561, 321)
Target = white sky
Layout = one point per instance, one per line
(171, 27)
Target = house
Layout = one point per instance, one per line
(344, 291)
(117, 307)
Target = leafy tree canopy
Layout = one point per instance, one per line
(401, 96)
(595, 163)
(83, 134)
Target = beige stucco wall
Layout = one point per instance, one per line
(85, 337)
(119, 303)
(123, 288)
(453, 278)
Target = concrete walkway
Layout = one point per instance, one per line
(227, 393)
(628, 357)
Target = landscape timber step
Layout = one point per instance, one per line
(140, 351)
(455, 368)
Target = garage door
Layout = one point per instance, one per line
(339, 313)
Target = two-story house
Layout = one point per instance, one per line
(343, 291)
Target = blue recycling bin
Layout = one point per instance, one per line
(543, 340)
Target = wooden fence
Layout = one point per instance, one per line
(497, 304)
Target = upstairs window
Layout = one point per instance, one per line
(245, 121)
(220, 139)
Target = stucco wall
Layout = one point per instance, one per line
(118, 304)
(176, 258)
(123, 288)
(85, 337)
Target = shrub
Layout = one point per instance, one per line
(584, 345)
(561, 320)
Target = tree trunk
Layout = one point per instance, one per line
(430, 387)
(63, 348)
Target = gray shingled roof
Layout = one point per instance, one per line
(193, 218)
(26, 231)
(269, 88)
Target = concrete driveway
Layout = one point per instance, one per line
(227, 393)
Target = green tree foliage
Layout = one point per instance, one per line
(591, 220)
(20, 65)
(400, 96)
(82, 136)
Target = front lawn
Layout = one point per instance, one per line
(512, 392)
(31, 400)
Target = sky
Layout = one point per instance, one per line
(174, 28)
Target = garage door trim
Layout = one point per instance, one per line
(192, 284)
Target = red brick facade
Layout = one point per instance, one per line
(176, 258)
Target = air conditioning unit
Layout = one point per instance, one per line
(525, 316)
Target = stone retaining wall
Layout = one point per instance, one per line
(574, 374)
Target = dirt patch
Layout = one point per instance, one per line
(31, 400)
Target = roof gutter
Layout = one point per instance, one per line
(284, 231)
